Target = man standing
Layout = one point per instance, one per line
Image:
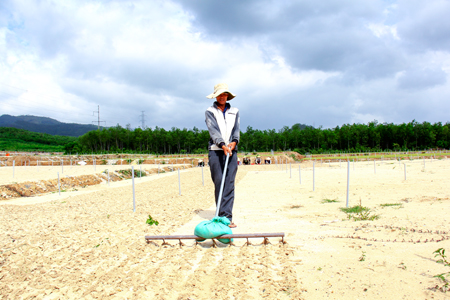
(222, 121)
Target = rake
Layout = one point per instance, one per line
(198, 239)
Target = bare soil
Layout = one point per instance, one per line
(91, 245)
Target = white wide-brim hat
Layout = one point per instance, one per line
(220, 89)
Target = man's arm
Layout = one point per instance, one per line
(235, 134)
(213, 128)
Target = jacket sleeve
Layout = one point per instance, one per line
(213, 128)
(235, 134)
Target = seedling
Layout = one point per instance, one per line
(101, 243)
(151, 221)
(398, 205)
(359, 213)
(363, 256)
(444, 277)
(329, 201)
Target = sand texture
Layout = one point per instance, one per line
(89, 244)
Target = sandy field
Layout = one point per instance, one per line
(89, 244)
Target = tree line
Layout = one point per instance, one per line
(304, 139)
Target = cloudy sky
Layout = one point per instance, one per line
(322, 63)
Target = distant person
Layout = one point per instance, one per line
(267, 161)
(222, 121)
(258, 160)
(246, 161)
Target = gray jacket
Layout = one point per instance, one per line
(222, 130)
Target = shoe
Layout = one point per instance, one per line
(232, 225)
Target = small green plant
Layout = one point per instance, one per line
(129, 161)
(163, 162)
(151, 221)
(104, 162)
(363, 256)
(444, 277)
(319, 269)
(391, 204)
(402, 266)
(138, 173)
(354, 209)
(329, 201)
(359, 213)
(101, 243)
(141, 161)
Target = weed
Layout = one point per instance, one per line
(399, 205)
(363, 256)
(294, 157)
(319, 269)
(354, 209)
(141, 161)
(163, 162)
(137, 173)
(104, 162)
(329, 201)
(365, 216)
(129, 161)
(151, 221)
(402, 266)
(101, 243)
(444, 277)
(359, 213)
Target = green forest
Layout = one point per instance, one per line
(373, 136)
(13, 139)
(304, 139)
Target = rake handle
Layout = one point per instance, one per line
(219, 201)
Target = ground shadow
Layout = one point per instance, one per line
(206, 214)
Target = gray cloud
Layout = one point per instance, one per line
(422, 78)
(331, 36)
(424, 25)
(323, 63)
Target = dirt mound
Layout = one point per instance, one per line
(34, 188)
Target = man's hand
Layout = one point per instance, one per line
(232, 145)
(227, 150)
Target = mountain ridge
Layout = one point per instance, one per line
(45, 125)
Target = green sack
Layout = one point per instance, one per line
(216, 227)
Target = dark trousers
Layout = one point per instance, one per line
(217, 165)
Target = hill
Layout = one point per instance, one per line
(13, 139)
(45, 125)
